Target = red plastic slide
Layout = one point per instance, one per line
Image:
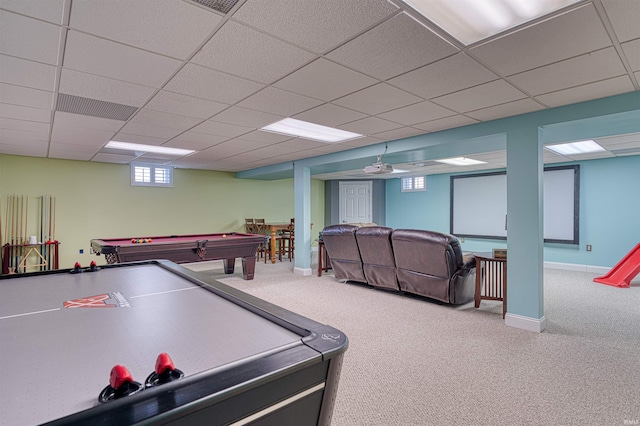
(622, 274)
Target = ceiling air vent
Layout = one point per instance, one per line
(94, 107)
(223, 6)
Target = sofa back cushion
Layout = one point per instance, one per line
(378, 262)
(342, 247)
(426, 261)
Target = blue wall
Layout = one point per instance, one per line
(609, 212)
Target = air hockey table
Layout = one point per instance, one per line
(186, 248)
(245, 361)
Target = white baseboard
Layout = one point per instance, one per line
(305, 272)
(576, 267)
(536, 325)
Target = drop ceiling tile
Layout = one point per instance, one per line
(112, 158)
(22, 136)
(297, 22)
(595, 66)
(206, 83)
(591, 156)
(266, 137)
(233, 147)
(148, 130)
(28, 38)
(30, 127)
(369, 126)
(18, 112)
(246, 117)
(623, 15)
(49, 10)
(242, 51)
(396, 46)
(365, 141)
(279, 101)
(505, 110)
(376, 99)
(446, 76)
(165, 119)
(102, 57)
(329, 115)
(564, 36)
(298, 144)
(599, 89)
(221, 129)
(632, 52)
(417, 113)
(177, 103)
(86, 121)
(401, 133)
(79, 136)
(143, 24)
(143, 139)
(615, 141)
(27, 73)
(330, 80)
(195, 140)
(104, 89)
(71, 151)
(445, 123)
(482, 96)
(24, 96)
(35, 149)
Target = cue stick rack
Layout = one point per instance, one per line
(22, 251)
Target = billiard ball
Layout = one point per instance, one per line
(133, 240)
(224, 235)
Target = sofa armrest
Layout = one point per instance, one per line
(468, 261)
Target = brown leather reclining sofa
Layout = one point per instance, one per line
(425, 263)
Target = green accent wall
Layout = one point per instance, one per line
(96, 200)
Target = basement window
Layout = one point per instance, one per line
(151, 175)
(414, 184)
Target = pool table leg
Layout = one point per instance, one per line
(248, 267)
(229, 265)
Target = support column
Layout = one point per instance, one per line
(302, 214)
(525, 233)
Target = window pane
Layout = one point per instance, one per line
(162, 175)
(143, 174)
(419, 182)
(407, 184)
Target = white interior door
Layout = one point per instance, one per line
(355, 202)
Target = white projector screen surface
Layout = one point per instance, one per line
(479, 205)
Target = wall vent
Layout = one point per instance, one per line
(94, 107)
(222, 6)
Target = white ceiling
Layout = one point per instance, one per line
(177, 73)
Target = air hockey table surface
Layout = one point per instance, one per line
(244, 359)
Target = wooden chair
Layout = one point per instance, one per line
(287, 241)
(250, 226)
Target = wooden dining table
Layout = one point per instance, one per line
(273, 230)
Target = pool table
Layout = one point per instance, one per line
(186, 248)
(243, 360)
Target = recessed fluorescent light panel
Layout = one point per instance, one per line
(461, 161)
(306, 130)
(148, 148)
(470, 21)
(573, 148)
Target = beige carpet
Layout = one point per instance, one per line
(414, 362)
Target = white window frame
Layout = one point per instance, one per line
(152, 170)
(417, 184)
